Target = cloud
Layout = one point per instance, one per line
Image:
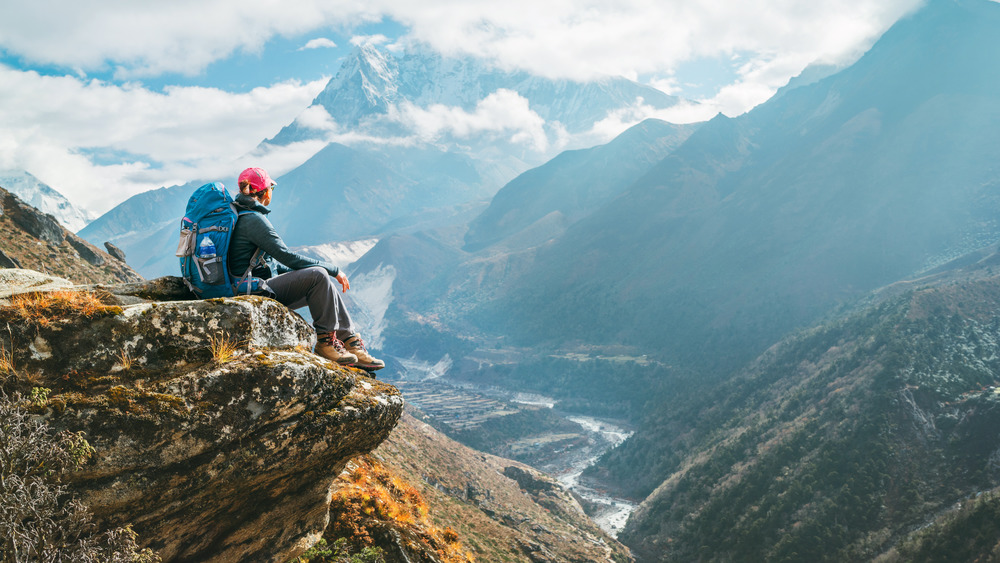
(377, 39)
(49, 122)
(150, 38)
(316, 117)
(583, 40)
(504, 112)
(318, 43)
(619, 120)
(557, 38)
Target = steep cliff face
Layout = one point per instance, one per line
(217, 433)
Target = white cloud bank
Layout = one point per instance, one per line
(577, 39)
(503, 112)
(318, 43)
(47, 124)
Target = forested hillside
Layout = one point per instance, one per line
(835, 444)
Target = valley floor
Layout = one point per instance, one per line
(527, 428)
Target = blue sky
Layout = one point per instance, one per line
(106, 99)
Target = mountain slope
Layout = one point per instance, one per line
(836, 443)
(36, 241)
(762, 223)
(501, 509)
(575, 183)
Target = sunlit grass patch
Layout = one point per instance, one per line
(46, 306)
(371, 497)
(7, 366)
(223, 347)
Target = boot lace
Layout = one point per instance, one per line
(329, 338)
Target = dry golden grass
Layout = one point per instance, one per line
(125, 360)
(44, 307)
(223, 347)
(370, 496)
(7, 366)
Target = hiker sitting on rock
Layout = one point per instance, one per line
(295, 279)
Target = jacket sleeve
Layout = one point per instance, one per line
(262, 234)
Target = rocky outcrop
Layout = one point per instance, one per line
(85, 250)
(217, 434)
(114, 251)
(34, 222)
(14, 281)
(8, 262)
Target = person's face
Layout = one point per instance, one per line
(266, 199)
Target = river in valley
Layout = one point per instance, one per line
(564, 454)
(609, 512)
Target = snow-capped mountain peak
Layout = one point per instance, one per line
(34, 192)
(382, 94)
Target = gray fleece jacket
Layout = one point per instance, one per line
(253, 231)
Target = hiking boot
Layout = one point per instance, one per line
(332, 349)
(356, 346)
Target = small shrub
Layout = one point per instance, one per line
(39, 519)
(371, 498)
(340, 552)
(39, 395)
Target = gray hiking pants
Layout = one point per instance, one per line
(313, 287)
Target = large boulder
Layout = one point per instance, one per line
(217, 433)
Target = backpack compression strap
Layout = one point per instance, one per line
(256, 260)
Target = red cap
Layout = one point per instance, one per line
(257, 178)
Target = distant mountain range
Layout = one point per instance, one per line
(763, 223)
(854, 440)
(373, 86)
(835, 444)
(395, 178)
(44, 198)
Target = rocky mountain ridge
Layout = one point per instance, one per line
(35, 240)
(841, 442)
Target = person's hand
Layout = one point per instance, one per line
(342, 278)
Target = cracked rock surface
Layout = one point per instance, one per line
(210, 455)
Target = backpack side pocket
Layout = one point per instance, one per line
(185, 247)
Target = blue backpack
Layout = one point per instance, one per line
(203, 249)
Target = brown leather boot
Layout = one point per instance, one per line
(356, 346)
(332, 349)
